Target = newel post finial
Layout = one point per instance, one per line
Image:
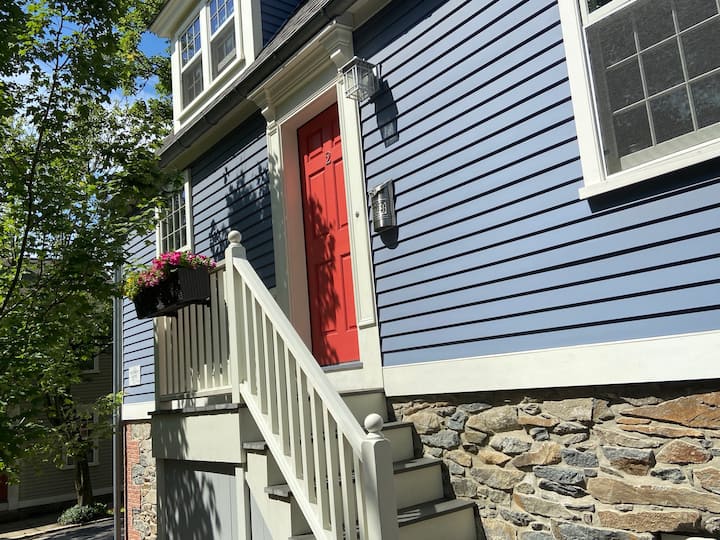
(234, 238)
(235, 248)
(374, 424)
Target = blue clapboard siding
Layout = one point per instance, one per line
(495, 252)
(138, 335)
(230, 190)
(274, 13)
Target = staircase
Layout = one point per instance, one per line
(316, 473)
(423, 510)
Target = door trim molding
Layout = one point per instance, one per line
(307, 85)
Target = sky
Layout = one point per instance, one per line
(152, 45)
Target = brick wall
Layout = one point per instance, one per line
(140, 483)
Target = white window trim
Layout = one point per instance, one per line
(586, 121)
(183, 112)
(189, 233)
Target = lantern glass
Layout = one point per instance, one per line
(359, 80)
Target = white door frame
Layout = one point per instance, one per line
(304, 87)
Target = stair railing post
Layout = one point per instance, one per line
(235, 313)
(378, 484)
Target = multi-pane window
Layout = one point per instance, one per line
(92, 456)
(191, 60)
(655, 68)
(190, 41)
(220, 10)
(207, 45)
(173, 225)
(222, 31)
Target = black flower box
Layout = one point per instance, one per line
(183, 287)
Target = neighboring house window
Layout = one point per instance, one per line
(91, 365)
(208, 39)
(645, 77)
(93, 459)
(93, 456)
(174, 231)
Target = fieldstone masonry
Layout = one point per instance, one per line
(140, 485)
(621, 463)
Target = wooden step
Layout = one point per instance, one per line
(279, 491)
(400, 435)
(451, 518)
(418, 480)
(363, 402)
(255, 446)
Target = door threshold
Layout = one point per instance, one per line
(356, 364)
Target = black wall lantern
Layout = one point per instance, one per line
(382, 199)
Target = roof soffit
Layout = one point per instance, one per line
(173, 13)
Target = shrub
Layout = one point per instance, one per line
(82, 514)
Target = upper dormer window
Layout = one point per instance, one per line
(206, 46)
(192, 68)
(223, 35)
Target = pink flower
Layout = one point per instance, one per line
(161, 266)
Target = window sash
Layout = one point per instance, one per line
(221, 11)
(190, 41)
(223, 49)
(173, 224)
(192, 82)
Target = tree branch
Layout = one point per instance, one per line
(31, 176)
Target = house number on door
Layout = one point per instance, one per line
(328, 158)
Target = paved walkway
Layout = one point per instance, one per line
(45, 528)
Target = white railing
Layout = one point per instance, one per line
(192, 347)
(341, 477)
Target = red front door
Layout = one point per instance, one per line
(327, 241)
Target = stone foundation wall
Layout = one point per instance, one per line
(584, 463)
(140, 483)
